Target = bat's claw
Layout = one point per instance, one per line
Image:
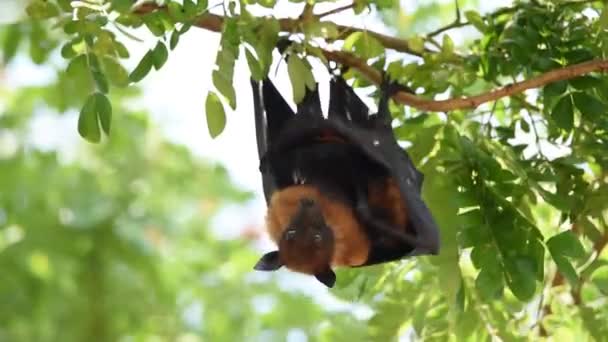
(391, 87)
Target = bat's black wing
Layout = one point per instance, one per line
(280, 132)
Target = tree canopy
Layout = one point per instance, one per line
(506, 117)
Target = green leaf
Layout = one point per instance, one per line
(489, 283)
(11, 42)
(225, 87)
(566, 268)
(176, 11)
(100, 81)
(78, 71)
(417, 44)
(521, 277)
(67, 50)
(476, 20)
(143, 68)
(322, 29)
(115, 72)
(566, 244)
(364, 45)
(160, 55)
(93, 62)
(174, 39)
(88, 127)
(96, 111)
(185, 28)
(590, 107)
(254, 66)
(216, 117)
(603, 20)
(555, 88)
(268, 36)
(103, 108)
(122, 6)
(121, 50)
(41, 9)
(154, 23)
(563, 113)
(585, 82)
(300, 76)
(190, 8)
(65, 5)
(447, 48)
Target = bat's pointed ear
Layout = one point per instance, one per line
(269, 262)
(327, 277)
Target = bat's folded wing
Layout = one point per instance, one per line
(277, 126)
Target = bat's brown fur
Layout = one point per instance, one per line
(351, 244)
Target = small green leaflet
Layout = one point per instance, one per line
(143, 68)
(364, 44)
(447, 48)
(489, 283)
(96, 112)
(115, 72)
(224, 86)
(322, 29)
(603, 20)
(215, 114)
(555, 88)
(40, 9)
(268, 36)
(156, 57)
(11, 41)
(563, 113)
(301, 77)
(417, 44)
(174, 39)
(160, 55)
(225, 60)
(176, 11)
(254, 66)
(520, 271)
(590, 107)
(100, 81)
(565, 246)
(475, 18)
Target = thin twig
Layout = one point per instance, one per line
(336, 10)
(456, 23)
(537, 137)
(489, 122)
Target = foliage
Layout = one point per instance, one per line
(519, 185)
(111, 242)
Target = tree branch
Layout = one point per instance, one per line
(214, 23)
(473, 101)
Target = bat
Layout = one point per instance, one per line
(340, 191)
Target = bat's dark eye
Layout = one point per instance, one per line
(290, 235)
(317, 237)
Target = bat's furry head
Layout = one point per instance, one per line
(306, 246)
